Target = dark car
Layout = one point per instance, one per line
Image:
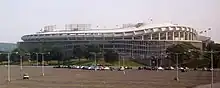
(147, 68)
(140, 68)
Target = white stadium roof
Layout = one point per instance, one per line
(145, 26)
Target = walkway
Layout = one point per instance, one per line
(215, 85)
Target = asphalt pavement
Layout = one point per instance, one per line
(215, 85)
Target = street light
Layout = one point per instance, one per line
(212, 69)
(42, 64)
(37, 58)
(94, 53)
(177, 68)
(119, 58)
(9, 69)
(177, 64)
(21, 61)
(9, 74)
(94, 57)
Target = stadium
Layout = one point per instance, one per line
(132, 41)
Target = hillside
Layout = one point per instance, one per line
(7, 46)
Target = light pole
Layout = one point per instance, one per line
(42, 64)
(212, 68)
(8, 66)
(177, 64)
(94, 57)
(157, 64)
(37, 58)
(21, 68)
(119, 58)
(95, 60)
(177, 68)
(123, 58)
(9, 74)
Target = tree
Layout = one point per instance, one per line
(55, 54)
(212, 47)
(18, 53)
(111, 56)
(33, 54)
(78, 51)
(92, 49)
(3, 56)
(186, 53)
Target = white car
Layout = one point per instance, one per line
(181, 68)
(121, 68)
(160, 68)
(91, 68)
(172, 68)
(106, 68)
(26, 76)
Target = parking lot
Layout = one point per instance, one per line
(73, 78)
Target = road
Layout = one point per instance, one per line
(70, 78)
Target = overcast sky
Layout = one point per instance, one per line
(19, 17)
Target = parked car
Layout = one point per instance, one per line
(160, 68)
(169, 68)
(121, 68)
(106, 68)
(205, 69)
(147, 68)
(25, 76)
(127, 67)
(140, 68)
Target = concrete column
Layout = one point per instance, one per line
(132, 37)
(159, 36)
(191, 38)
(166, 35)
(192, 35)
(184, 35)
(173, 35)
(179, 35)
(142, 37)
(123, 37)
(151, 36)
(188, 33)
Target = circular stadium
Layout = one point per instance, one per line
(137, 41)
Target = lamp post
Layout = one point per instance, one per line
(21, 63)
(42, 64)
(177, 68)
(37, 58)
(119, 58)
(177, 64)
(123, 58)
(157, 64)
(94, 57)
(95, 54)
(9, 69)
(9, 74)
(212, 68)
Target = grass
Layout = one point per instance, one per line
(81, 62)
(92, 62)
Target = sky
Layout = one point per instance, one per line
(20, 17)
